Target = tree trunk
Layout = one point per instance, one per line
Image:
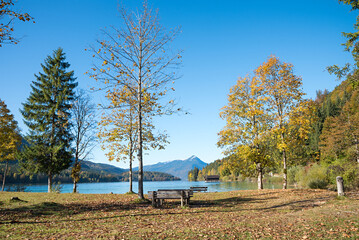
(76, 172)
(4, 177)
(260, 176)
(139, 153)
(140, 160)
(130, 174)
(75, 187)
(284, 170)
(49, 183)
(139, 99)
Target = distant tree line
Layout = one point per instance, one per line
(218, 167)
(14, 176)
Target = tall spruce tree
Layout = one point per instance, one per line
(47, 115)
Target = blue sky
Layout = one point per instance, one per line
(221, 39)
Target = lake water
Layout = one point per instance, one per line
(123, 187)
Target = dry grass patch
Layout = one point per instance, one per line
(267, 214)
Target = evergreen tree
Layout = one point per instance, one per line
(47, 114)
(193, 174)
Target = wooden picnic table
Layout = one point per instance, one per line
(199, 189)
(160, 195)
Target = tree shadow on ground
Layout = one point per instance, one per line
(299, 205)
(224, 202)
(40, 213)
(62, 210)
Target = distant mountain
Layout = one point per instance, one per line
(98, 167)
(90, 172)
(177, 168)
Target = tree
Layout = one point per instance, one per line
(245, 135)
(300, 127)
(83, 131)
(351, 45)
(284, 96)
(47, 115)
(7, 18)
(118, 129)
(340, 136)
(10, 138)
(135, 57)
(193, 174)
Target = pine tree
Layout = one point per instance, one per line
(47, 113)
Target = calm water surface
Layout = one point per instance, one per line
(123, 187)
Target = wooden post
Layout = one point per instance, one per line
(340, 186)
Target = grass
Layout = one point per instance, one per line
(251, 214)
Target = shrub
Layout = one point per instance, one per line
(312, 176)
(292, 172)
(333, 171)
(318, 183)
(351, 177)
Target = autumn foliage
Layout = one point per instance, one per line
(265, 113)
(7, 18)
(10, 138)
(137, 73)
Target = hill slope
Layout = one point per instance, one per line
(178, 168)
(90, 172)
(98, 167)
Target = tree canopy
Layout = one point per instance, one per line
(136, 68)
(47, 115)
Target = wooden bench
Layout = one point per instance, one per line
(199, 189)
(160, 195)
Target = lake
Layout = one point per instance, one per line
(123, 187)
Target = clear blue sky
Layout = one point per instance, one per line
(221, 39)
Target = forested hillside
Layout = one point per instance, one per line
(91, 172)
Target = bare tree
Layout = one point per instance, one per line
(137, 57)
(118, 131)
(83, 130)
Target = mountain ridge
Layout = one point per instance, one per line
(177, 168)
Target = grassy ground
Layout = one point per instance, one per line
(267, 214)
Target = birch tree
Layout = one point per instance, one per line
(137, 57)
(118, 130)
(84, 124)
(284, 96)
(245, 135)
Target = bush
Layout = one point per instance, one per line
(312, 176)
(56, 187)
(333, 171)
(292, 172)
(318, 184)
(349, 170)
(351, 177)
